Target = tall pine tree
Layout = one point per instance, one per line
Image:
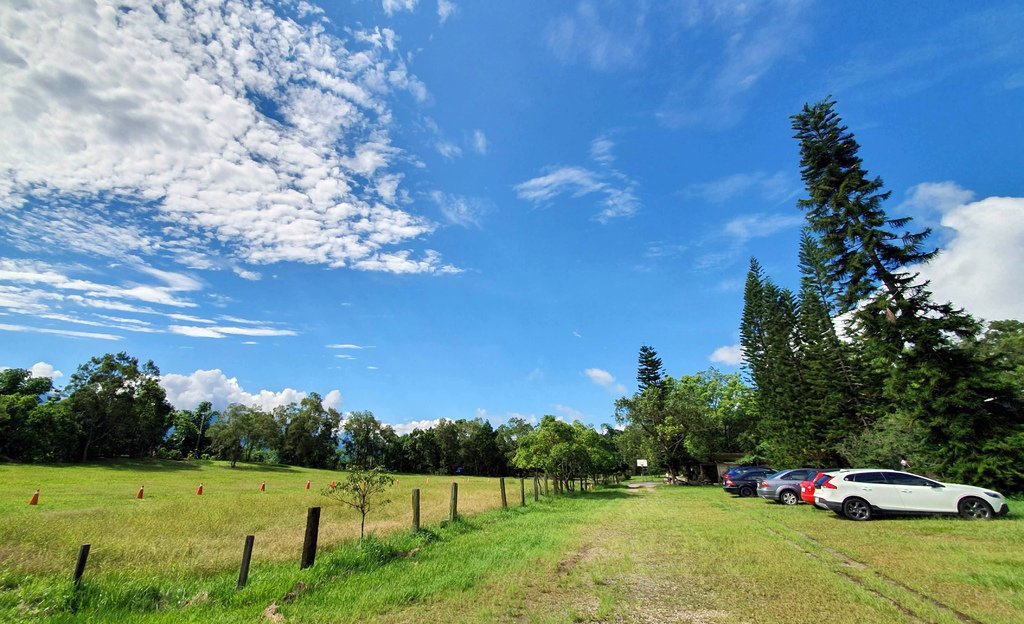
(934, 387)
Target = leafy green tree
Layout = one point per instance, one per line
(508, 435)
(309, 435)
(191, 434)
(240, 430)
(667, 415)
(726, 426)
(34, 425)
(449, 446)
(360, 490)
(120, 407)
(362, 439)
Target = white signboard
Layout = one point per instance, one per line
(641, 463)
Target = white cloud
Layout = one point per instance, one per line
(605, 379)
(57, 332)
(42, 369)
(929, 200)
(189, 135)
(332, 400)
(394, 6)
(746, 227)
(448, 150)
(773, 187)
(730, 242)
(605, 42)
(601, 150)
(479, 142)
(742, 43)
(445, 9)
(408, 427)
(731, 355)
(458, 210)
(188, 391)
(347, 346)
(568, 412)
(979, 268)
(220, 331)
(619, 191)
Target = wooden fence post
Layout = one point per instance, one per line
(546, 491)
(243, 573)
(536, 488)
(415, 510)
(312, 532)
(453, 513)
(504, 501)
(522, 491)
(83, 556)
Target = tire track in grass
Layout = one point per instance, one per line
(963, 617)
(900, 589)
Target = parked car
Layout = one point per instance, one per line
(737, 470)
(807, 485)
(862, 494)
(744, 482)
(784, 486)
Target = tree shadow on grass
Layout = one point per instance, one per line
(169, 465)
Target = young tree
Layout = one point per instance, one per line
(359, 490)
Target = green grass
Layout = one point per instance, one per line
(665, 554)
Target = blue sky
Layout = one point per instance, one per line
(451, 209)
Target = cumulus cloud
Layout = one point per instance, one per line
(979, 267)
(731, 355)
(216, 134)
(408, 427)
(43, 369)
(605, 379)
(188, 391)
(930, 200)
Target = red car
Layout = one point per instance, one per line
(807, 486)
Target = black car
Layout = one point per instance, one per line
(743, 480)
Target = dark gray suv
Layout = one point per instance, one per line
(784, 486)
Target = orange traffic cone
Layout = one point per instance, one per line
(35, 498)
(139, 495)
(307, 485)
(263, 486)
(199, 490)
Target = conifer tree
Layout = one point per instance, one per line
(933, 385)
(649, 371)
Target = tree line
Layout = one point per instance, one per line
(114, 406)
(860, 366)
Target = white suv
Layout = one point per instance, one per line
(863, 493)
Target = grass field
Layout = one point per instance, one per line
(615, 555)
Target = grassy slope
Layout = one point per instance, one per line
(671, 554)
